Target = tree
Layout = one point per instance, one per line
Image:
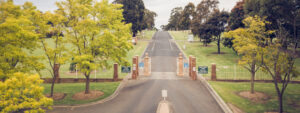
(58, 54)
(149, 19)
(98, 32)
(174, 19)
(278, 12)
(203, 12)
(248, 42)
(18, 39)
(133, 13)
(22, 93)
(279, 62)
(236, 17)
(216, 25)
(187, 16)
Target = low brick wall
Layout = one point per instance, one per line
(265, 81)
(79, 80)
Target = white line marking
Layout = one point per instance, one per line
(153, 45)
(170, 45)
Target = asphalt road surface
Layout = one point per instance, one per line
(144, 94)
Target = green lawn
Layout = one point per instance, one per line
(228, 91)
(146, 34)
(227, 64)
(71, 88)
(100, 73)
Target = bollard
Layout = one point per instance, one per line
(133, 73)
(180, 69)
(194, 72)
(213, 72)
(146, 65)
(116, 72)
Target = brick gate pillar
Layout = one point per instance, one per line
(116, 73)
(190, 66)
(137, 65)
(180, 65)
(146, 65)
(213, 72)
(134, 72)
(194, 72)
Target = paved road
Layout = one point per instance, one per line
(143, 95)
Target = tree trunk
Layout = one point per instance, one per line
(52, 86)
(55, 76)
(219, 51)
(87, 84)
(252, 81)
(280, 103)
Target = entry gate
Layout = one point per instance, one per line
(141, 68)
(187, 67)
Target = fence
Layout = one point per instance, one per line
(237, 72)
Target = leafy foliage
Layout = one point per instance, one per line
(149, 19)
(22, 93)
(248, 42)
(186, 16)
(174, 19)
(203, 12)
(18, 34)
(133, 13)
(98, 32)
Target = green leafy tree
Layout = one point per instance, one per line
(133, 13)
(280, 64)
(98, 32)
(278, 12)
(58, 54)
(248, 42)
(22, 93)
(149, 19)
(235, 21)
(203, 12)
(175, 15)
(216, 25)
(186, 16)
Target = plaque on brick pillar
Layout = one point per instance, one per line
(133, 73)
(194, 72)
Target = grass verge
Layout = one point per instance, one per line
(70, 89)
(228, 91)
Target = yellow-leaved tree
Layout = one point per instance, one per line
(57, 54)
(248, 42)
(98, 32)
(22, 93)
(19, 35)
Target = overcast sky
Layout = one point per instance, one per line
(161, 7)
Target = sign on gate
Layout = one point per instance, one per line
(203, 70)
(125, 69)
(186, 65)
(141, 64)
